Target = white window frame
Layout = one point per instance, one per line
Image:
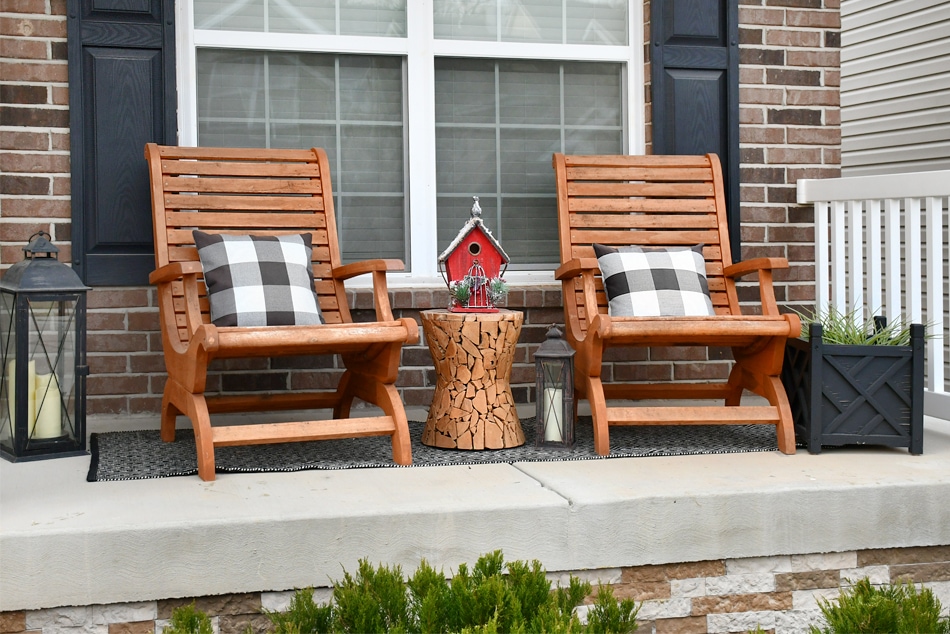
(419, 48)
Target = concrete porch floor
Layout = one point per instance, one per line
(64, 541)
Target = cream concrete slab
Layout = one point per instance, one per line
(693, 508)
(64, 541)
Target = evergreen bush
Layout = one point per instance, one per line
(895, 609)
(490, 597)
(188, 619)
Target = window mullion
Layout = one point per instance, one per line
(420, 88)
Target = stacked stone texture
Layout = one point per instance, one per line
(789, 130)
(777, 594)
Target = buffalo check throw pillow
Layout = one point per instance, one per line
(655, 281)
(258, 280)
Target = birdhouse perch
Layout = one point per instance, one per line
(472, 267)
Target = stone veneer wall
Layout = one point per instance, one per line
(790, 122)
(778, 594)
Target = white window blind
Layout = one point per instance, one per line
(537, 21)
(386, 18)
(350, 105)
(497, 124)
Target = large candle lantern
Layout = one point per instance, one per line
(554, 368)
(472, 267)
(43, 356)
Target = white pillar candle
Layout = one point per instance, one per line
(31, 398)
(552, 411)
(49, 415)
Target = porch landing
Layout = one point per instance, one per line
(64, 541)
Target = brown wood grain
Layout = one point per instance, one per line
(665, 201)
(246, 191)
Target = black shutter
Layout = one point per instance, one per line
(695, 82)
(121, 96)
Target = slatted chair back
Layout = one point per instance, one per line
(245, 192)
(646, 201)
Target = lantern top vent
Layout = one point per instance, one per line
(41, 271)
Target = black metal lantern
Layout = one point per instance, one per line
(43, 355)
(554, 368)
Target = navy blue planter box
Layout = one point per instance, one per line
(856, 395)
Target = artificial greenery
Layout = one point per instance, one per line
(490, 597)
(854, 329)
(188, 619)
(461, 291)
(895, 609)
(497, 290)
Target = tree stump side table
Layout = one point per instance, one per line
(472, 407)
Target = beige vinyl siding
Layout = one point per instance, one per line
(895, 86)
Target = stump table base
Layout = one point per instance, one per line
(472, 407)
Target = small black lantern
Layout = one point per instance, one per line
(43, 356)
(554, 368)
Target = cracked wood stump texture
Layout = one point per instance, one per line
(472, 407)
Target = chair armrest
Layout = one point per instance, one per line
(756, 264)
(764, 268)
(575, 268)
(174, 271)
(353, 269)
(378, 268)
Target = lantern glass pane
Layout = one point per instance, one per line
(52, 354)
(7, 363)
(552, 401)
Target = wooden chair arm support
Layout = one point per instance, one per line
(751, 266)
(378, 268)
(575, 268)
(764, 268)
(174, 271)
(353, 269)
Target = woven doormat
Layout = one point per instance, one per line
(135, 455)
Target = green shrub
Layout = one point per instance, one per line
(188, 619)
(894, 609)
(490, 597)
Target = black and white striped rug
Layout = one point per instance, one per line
(135, 455)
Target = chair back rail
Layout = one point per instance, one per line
(646, 201)
(247, 192)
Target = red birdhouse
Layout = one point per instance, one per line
(472, 267)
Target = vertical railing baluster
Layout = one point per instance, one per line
(838, 256)
(912, 261)
(874, 302)
(855, 257)
(822, 261)
(892, 256)
(934, 266)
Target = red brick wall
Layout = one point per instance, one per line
(789, 130)
(34, 126)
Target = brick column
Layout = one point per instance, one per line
(34, 126)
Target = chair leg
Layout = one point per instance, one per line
(785, 428)
(169, 414)
(734, 398)
(598, 410)
(195, 408)
(345, 396)
(388, 400)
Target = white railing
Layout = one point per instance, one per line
(881, 247)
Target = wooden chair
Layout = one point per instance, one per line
(258, 192)
(665, 201)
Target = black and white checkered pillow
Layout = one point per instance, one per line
(259, 280)
(655, 281)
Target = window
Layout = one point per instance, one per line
(421, 105)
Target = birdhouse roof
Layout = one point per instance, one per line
(475, 222)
